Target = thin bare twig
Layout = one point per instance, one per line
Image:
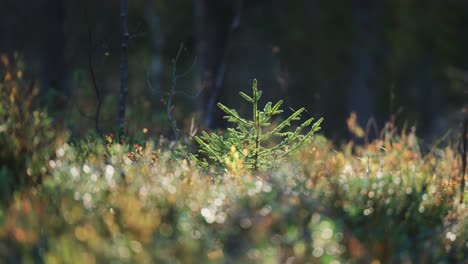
(171, 94)
(150, 83)
(371, 123)
(93, 74)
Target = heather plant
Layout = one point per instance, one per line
(27, 135)
(252, 140)
(100, 204)
(395, 204)
(100, 216)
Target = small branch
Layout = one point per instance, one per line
(150, 84)
(188, 70)
(171, 94)
(370, 123)
(93, 75)
(83, 114)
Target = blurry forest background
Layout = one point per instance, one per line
(376, 58)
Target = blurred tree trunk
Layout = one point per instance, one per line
(427, 98)
(53, 66)
(214, 20)
(364, 43)
(123, 66)
(157, 39)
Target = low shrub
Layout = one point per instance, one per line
(27, 135)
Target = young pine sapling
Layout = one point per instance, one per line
(252, 138)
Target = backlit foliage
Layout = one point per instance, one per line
(27, 136)
(253, 140)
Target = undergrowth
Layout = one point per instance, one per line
(101, 201)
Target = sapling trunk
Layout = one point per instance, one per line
(256, 118)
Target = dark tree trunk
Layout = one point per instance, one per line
(54, 74)
(123, 66)
(428, 98)
(215, 21)
(363, 59)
